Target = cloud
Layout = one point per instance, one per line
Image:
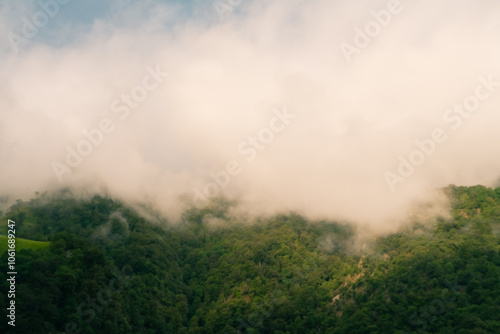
(352, 120)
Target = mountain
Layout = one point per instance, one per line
(101, 267)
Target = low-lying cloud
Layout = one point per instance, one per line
(226, 79)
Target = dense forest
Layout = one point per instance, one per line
(108, 269)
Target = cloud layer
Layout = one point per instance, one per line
(353, 119)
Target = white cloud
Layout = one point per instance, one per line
(353, 120)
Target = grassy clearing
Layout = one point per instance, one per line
(22, 244)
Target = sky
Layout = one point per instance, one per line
(333, 109)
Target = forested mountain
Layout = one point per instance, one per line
(108, 269)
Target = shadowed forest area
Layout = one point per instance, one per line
(107, 269)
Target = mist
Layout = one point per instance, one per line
(282, 106)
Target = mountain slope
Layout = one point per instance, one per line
(109, 270)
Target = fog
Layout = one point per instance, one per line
(286, 103)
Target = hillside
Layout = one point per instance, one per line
(109, 270)
(21, 244)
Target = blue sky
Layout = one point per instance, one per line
(77, 18)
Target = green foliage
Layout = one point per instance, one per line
(21, 244)
(105, 269)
